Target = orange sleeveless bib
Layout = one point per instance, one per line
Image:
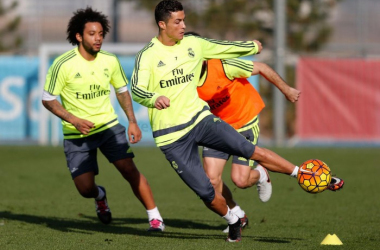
(236, 102)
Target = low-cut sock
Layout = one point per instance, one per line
(238, 211)
(154, 214)
(263, 174)
(101, 194)
(295, 172)
(230, 217)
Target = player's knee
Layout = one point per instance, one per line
(127, 168)
(133, 172)
(259, 154)
(207, 194)
(216, 181)
(86, 191)
(240, 182)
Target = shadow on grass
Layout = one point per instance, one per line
(122, 226)
(118, 226)
(177, 223)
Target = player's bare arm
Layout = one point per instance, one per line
(82, 125)
(125, 101)
(162, 102)
(268, 73)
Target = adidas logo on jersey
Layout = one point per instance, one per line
(161, 63)
(78, 75)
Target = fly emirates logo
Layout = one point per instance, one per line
(95, 91)
(178, 78)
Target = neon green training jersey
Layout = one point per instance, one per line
(237, 68)
(173, 71)
(84, 88)
(233, 68)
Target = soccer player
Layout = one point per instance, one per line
(82, 77)
(165, 80)
(223, 85)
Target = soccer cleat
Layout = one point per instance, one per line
(234, 232)
(264, 188)
(243, 221)
(156, 225)
(335, 184)
(102, 209)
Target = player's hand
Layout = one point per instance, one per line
(162, 102)
(259, 45)
(83, 126)
(134, 133)
(292, 94)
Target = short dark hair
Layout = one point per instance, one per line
(165, 8)
(79, 20)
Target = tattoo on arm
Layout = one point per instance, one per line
(57, 109)
(125, 102)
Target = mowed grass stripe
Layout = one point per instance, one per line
(41, 209)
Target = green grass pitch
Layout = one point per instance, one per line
(41, 209)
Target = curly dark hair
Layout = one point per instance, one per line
(165, 8)
(79, 20)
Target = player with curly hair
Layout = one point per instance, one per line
(82, 78)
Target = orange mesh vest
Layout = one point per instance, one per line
(236, 102)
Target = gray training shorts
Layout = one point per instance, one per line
(211, 132)
(81, 153)
(251, 135)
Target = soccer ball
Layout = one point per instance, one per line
(314, 176)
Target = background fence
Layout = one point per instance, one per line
(342, 101)
(356, 35)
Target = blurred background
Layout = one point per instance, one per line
(329, 49)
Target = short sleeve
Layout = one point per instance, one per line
(118, 78)
(55, 79)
